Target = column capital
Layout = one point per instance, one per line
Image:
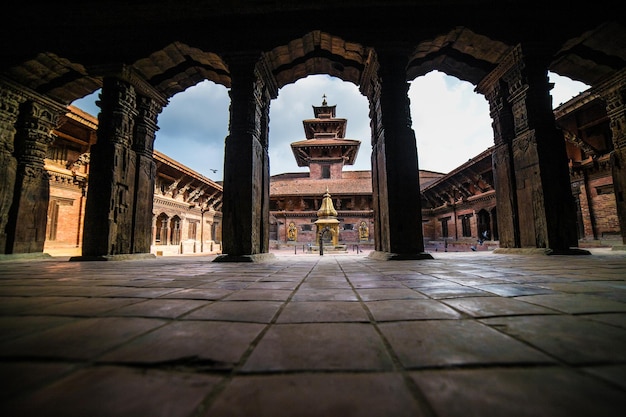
(128, 74)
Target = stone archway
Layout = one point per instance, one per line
(43, 64)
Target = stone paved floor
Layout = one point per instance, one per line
(464, 334)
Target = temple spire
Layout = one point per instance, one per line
(327, 209)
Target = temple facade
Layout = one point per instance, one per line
(296, 197)
(185, 213)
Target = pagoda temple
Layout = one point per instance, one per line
(296, 197)
(325, 150)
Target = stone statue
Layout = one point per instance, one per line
(292, 232)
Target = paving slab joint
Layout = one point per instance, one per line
(259, 257)
(541, 251)
(23, 256)
(121, 257)
(389, 256)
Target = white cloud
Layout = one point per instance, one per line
(564, 89)
(451, 121)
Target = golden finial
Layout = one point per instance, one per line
(324, 100)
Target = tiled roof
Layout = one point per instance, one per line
(353, 182)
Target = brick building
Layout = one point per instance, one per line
(458, 207)
(186, 215)
(296, 197)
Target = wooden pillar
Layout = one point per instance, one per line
(496, 93)
(109, 208)
(541, 201)
(118, 211)
(145, 129)
(395, 172)
(245, 210)
(615, 95)
(10, 100)
(26, 226)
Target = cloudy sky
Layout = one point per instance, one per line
(450, 120)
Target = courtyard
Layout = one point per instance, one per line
(463, 334)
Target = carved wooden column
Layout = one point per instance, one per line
(9, 109)
(118, 212)
(143, 145)
(109, 211)
(614, 92)
(395, 172)
(542, 202)
(26, 228)
(502, 160)
(246, 162)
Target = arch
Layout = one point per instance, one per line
(460, 52)
(317, 52)
(42, 61)
(175, 228)
(161, 232)
(484, 224)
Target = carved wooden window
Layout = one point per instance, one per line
(193, 230)
(466, 227)
(325, 171)
(161, 230)
(175, 230)
(444, 226)
(307, 227)
(53, 215)
(53, 219)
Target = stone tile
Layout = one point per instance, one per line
(138, 292)
(79, 339)
(119, 392)
(514, 290)
(274, 285)
(586, 286)
(324, 285)
(322, 347)
(199, 294)
(259, 295)
(325, 295)
(83, 290)
(207, 344)
(549, 391)
(496, 306)
(246, 311)
(159, 308)
(426, 284)
(576, 303)
(378, 284)
(315, 395)
(614, 374)
(15, 305)
(86, 307)
(327, 311)
(21, 377)
(571, 339)
(392, 310)
(455, 342)
(475, 281)
(451, 291)
(377, 294)
(613, 319)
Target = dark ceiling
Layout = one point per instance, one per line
(64, 49)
